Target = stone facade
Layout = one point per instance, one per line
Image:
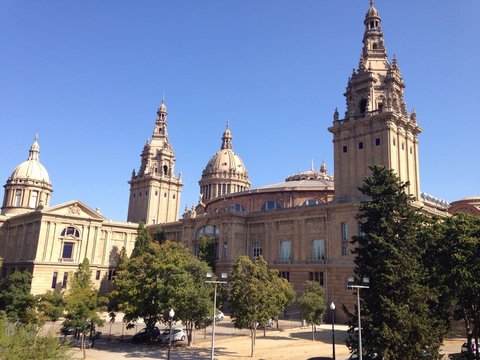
(52, 242)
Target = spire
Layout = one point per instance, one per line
(227, 138)
(34, 149)
(373, 45)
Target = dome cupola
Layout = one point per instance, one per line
(225, 173)
(29, 185)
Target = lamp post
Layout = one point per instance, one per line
(366, 282)
(332, 307)
(215, 283)
(171, 314)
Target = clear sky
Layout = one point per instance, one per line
(88, 76)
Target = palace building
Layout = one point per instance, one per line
(301, 225)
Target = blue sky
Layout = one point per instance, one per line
(88, 76)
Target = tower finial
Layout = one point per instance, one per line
(371, 2)
(228, 122)
(163, 97)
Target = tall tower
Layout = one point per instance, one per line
(225, 173)
(29, 186)
(155, 190)
(377, 128)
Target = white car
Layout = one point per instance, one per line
(219, 316)
(178, 334)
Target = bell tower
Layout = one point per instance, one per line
(376, 129)
(155, 190)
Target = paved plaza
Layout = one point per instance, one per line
(290, 341)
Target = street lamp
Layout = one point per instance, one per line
(332, 307)
(215, 283)
(366, 282)
(171, 314)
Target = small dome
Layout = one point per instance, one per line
(32, 168)
(372, 11)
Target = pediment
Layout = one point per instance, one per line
(74, 208)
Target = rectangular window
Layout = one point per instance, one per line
(345, 148)
(377, 141)
(318, 250)
(111, 274)
(18, 197)
(284, 275)
(54, 280)
(65, 280)
(285, 250)
(345, 251)
(33, 199)
(196, 248)
(403, 146)
(394, 142)
(361, 231)
(360, 145)
(257, 249)
(225, 249)
(317, 276)
(97, 275)
(67, 252)
(344, 231)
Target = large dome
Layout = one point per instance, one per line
(225, 161)
(31, 168)
(225, 173)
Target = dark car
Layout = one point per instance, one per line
(145, 335)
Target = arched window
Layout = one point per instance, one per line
(311, 202)
(271, 205)
(239, 208)
(70, 231)
(165, 170)
(374, 46)
(207, 230)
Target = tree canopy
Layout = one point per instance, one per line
(159, 277)
(16, 299)
(396, 310)
(83, 303)
(257, 294)
(312, 304)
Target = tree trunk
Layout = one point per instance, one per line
(82, 345)
(313, 333)
(253, 333)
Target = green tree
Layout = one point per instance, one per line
(256, 295)
(456, 257)
(20, 342)
(312, 304)
(160, 236)
(159, 278)
(16, 299)
(207, 251)
(83, 303)
(142, 241)
(397, 320)
(50, 306)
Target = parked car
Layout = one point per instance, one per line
(219, 316)
(145, 335)
(464, 347)
(178, 334)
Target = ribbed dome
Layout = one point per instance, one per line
(225, 161)
(225, 173)
(32, 168)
